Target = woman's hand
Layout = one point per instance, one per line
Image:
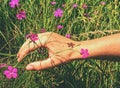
(59, 49)
(62, 49)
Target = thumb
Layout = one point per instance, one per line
(44, 64)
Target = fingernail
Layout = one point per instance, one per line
(18, 59)
(29, 67)
(17, 55)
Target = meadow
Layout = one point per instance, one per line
(82, 19)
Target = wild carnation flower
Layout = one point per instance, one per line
(11, 72)
(58, 12)
(32, 37)
(59, 26)
(84, 53)
(21, 15)
(102, 3)
(75, 5)
(42, 30)
(14, 3)
(53, 3)
(63, 5)
(84, 6)
(85, 15)
(2, 65)
(68, 36)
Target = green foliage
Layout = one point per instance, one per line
(77, 74)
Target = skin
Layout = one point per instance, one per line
(60, 52)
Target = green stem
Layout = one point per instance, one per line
(4, 54)
(16, 64)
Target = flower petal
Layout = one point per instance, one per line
(82, 51)
(15, 70)
(10, 68)
(6, 72)
(14, 75)
(8, 76)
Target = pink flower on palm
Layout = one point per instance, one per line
(11, 72)
(42, 30)
(14, 3)
(21, 15)
(58, 13)
(32, 37)
(84, 53)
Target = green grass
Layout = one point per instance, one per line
(89, 73)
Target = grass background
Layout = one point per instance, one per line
(88, 73)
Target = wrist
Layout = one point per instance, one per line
(82, 50)
(76, 51)
(95, 48)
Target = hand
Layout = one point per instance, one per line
(58, 49)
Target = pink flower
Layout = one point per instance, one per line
(68, 36)
(63, 5)
(21, 15)
(75, 5)
(84, 53)
(11, 72)
(85, 15)
(53, 3)
(14, 3)
(59, 26)
(102, 3)
(42, 30)
(84, 6)
(33, 37)
(3, 65)
(58, 13)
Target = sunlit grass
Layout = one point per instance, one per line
(89, 73)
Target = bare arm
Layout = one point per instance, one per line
(109, 45)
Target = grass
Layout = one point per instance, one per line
(89, 73)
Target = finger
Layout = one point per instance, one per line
(25, 49)
(47, 63)
(29, 46)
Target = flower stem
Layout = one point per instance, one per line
(16, 64)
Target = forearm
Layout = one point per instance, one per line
(109, 45)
